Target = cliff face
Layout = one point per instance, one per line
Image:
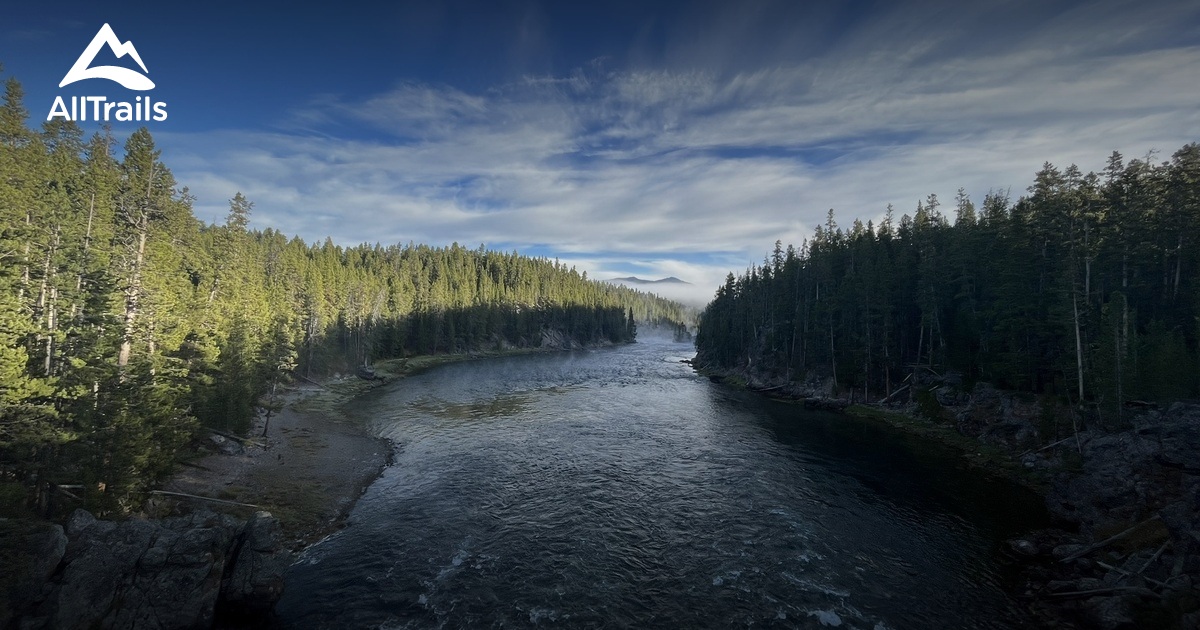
(180, 572)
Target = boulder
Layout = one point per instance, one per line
(255, 580)
(225, 445)
(30, 553)
(144, 574)
(951, 396)
(152, 574)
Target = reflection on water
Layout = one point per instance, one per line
(500, 406)
(618, 489)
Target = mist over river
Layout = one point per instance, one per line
(617, 488)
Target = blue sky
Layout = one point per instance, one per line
(650, 138)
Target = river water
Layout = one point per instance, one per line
(616, 488)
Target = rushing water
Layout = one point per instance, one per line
(617, 488)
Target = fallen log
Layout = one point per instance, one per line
(196, 496)
(1144, 592)
(1105, 565)
(1161, 548)
(310, 381)
(892, 395)
(197, 466)
(66, 492)
(1048, 446)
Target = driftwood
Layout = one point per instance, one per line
(1145, 592)
(768, 389)
(66, 492)
(196, 496)
(1161, 548)
(1105, 565)
(893, 395)
(1107, 541)
(310, 381)
(1048, 446)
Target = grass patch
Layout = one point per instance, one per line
(928, 405)
(977, 455)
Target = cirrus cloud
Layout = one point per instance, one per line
(695, 171)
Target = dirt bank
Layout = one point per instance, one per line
(314, 462)
(317, 458)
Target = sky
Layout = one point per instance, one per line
(625, 138)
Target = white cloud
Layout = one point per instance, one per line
(672, 163)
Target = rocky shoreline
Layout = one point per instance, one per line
(179, 563)
(1124, 549)
(1128, 555)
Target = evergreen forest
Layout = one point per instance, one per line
(127, 325)
(1085, 290)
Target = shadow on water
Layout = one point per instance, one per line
(903, 468)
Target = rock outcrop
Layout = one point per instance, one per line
(180, 572)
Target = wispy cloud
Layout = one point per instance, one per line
(676, 160)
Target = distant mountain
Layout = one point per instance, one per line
(637, 280)
(671, 288)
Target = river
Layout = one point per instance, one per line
(616, 488)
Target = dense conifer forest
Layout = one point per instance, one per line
(1085, 290)
(126, 324)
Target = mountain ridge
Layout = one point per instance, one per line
(637, 280)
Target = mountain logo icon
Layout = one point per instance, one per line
(131, 79)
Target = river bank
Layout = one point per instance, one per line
(317, 457)
(1123, 550)
(986, 457)
(210, 547)
(313, 462)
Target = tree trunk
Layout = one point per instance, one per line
(77, 308)
(832, 354)
(1078, 345)
(1120, 375)
(132, 296)
(1087, 263)
(43, 304)
(920, 343)
(1178, 265)
(25, 256)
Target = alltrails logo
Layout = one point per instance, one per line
(100, 108)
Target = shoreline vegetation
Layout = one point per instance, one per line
(983, 458)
